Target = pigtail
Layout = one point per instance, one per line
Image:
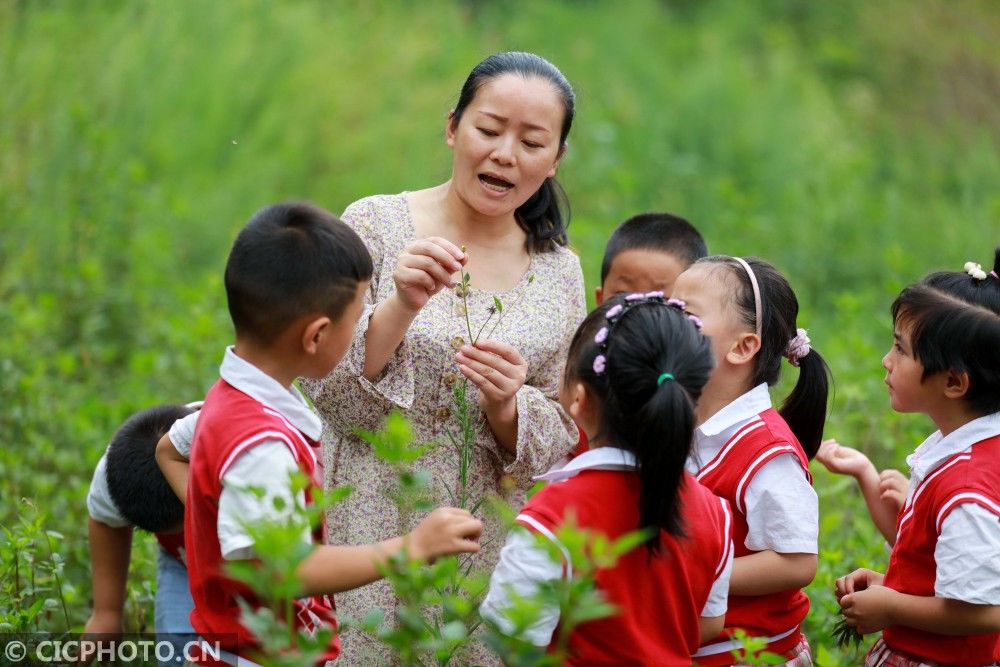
(542, 217)
(804, 410)
(664, 428)
(648, 368)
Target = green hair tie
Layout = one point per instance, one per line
(665, 376)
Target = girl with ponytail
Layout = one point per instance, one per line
(755, 457)
(633, 378)
(939, 600)
(443, 257)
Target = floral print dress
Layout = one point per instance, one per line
(541, 314)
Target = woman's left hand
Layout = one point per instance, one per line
(499, 371)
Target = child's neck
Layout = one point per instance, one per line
(266, 362)
(952, 415)
(721, 390)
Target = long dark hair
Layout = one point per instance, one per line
(954, 320)
(642, 410)
(545, 216)
(804, 410)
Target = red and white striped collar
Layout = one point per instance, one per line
(258, 385)
(599, 458)
(743, 408)
(937, 449)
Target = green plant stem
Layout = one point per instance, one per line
(59, 588)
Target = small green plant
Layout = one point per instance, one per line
(752, 651)
(280, 550)
(437, 610)
(577, 597)
(846, 635)
(470, 420)
(31, 586)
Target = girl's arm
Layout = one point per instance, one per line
(849, 461)
(523, 567)
(767, 572)
(711, 628)
(782, 514)
(878, 607)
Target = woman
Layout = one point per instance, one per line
(497, 219)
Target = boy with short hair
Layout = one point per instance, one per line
(646, 253)
(128, 491)
(295, 283)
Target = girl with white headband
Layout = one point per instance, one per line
(755, 456)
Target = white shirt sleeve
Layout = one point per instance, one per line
(268, 467)
(99, 503)
(782, 509)
(181, 434)
(718, 597)
(968, 568)
(524, 564)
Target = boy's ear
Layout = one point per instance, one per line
(956, 384)
(598, 295)
(313, 333)
(743, 350)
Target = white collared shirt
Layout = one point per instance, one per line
(782, 509)
(525, 564)
(267, 466)
(966, 553)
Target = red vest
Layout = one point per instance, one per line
(172, 543)
(970, 477)
(231, 423)
(764, 438)
(659, 600)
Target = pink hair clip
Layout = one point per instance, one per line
(798, 347)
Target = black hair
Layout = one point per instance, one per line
(652, 418)
(954, 320)
(664, 232)
(545, 216)
(804, 410)
(291, 260)
(137, 487)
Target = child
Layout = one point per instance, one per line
(939, 600)
(295, 283)
(128, 490)
(884, 492)
(754, 456)
(647, 252)
(635, 371)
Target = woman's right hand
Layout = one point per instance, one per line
(424, 268)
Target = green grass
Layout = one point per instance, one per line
(854, 146)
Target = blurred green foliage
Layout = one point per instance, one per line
(853, 144)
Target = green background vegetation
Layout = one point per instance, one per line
(853, 144)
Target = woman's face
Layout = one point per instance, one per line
(506, 143)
